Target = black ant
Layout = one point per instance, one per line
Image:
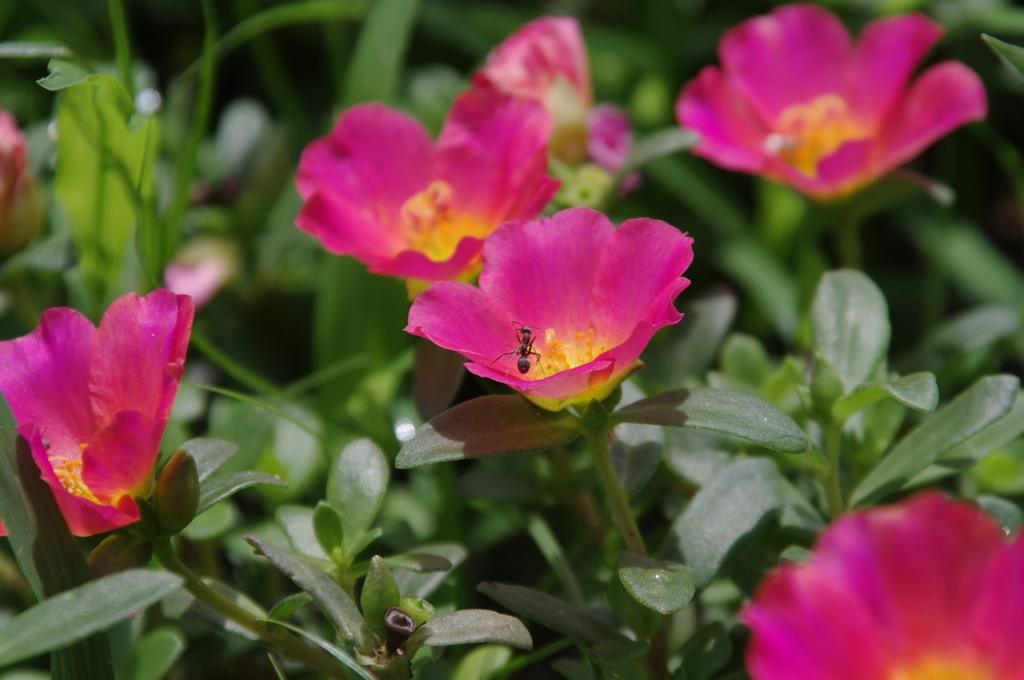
(524, 336)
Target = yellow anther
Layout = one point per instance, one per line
(434, 226)
(806, 133)
(83, 445)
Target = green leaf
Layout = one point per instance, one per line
(181, 605)
(558, 615)
(74, 615)
(355, 488)
(63, 73)
(1008, 513)
(376, 63)
(217, 520)
(48, 555)
(635, 449)
(482, 663)
(765, 280)
(104, 174)
(418, 562)
(696, 339)
(723, 516)
(341, 655)
(154, 655)
(983, 403)
(733, 413)
(990, 438)
(1011, 55)
(917, 390)
(210, 455)
(665, 587)
(850, 325)
(327, 528)
(654, 146)
(422, 585)
(217, 489)
(826, 388)
(706, 652)
(334, 602)
(488, 426)
(296, 522)
(472, 626)
(285, 608)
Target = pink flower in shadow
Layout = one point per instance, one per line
(796, 101)
(94, 403)
(376, 188)
(593, 295)
(928, 588)
(546, 60)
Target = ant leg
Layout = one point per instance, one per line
(502, 355)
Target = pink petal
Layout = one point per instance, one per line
(120, 456)
(462, 318)
(942, 99)
(344, 229)
(609, 136)
(995, 624)
(413, 264)
(493, 153)
(528, 62)
(639, 261)
(199, 280)
(542, 273)
(138, 355)
(732, 132)
(375, 159)
(851, 166)
(84, 517)
(887, 53)
(44, 376)
(792, 55)
(555, 391)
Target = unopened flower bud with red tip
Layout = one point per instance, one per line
(176, 498)
(21, 214)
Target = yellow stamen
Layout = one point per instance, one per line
(435, 227)
(69, 472)
(806, 133)
(557, 355)
(941, 669)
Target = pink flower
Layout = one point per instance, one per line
(797, 102)
(376, 189)
(93, 403)
(21, 215)
(929, 588)
(592, 295)
(201, 268)
(546, 60)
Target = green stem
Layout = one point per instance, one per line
(848, 244)
(616, 494)
(288, 646)
(122, 47)
(833, 492)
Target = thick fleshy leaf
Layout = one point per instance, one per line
(210, 455)
(983, 403)
(334, 602)
(488, 426)
(1007, 512)
(296, 522)
(472, 626)
(355, 488)
(665, 587)
(1011, 55)
(422, 585)
(71, 616)
(850, 325)
(706, 652)
(990, 438)
(723, 515)
(217, 489)
(917, 390)
(636, 449)
(733, 413)
(327, 528)
(419, 562)
(558, 615)
(655, 145)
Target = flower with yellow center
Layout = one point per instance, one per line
(927, 589)
(376, 188)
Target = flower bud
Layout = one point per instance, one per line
(418, 608)
(119, 552)
(380, 594)
(21, 214)
(176, 498)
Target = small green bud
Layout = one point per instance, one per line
(380, 593)
(119, 552)
(826, 388)
(418, 608)
(176, 498)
